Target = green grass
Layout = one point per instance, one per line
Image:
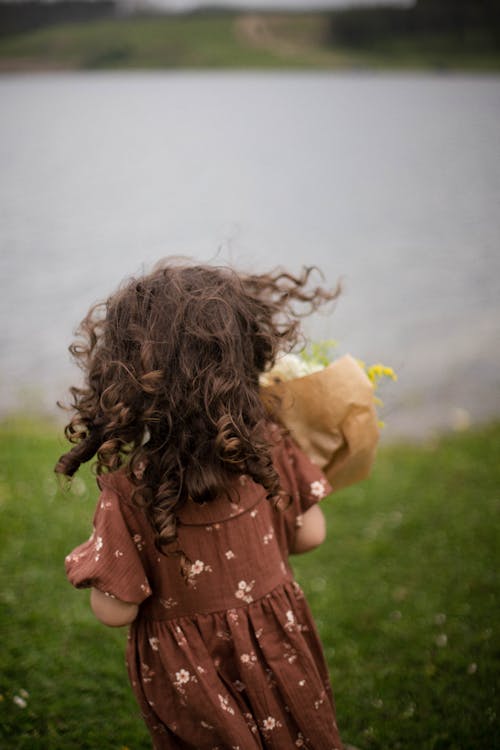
(405, 593)
(164, 42)
(230, 40)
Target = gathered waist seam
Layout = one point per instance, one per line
(288, 581)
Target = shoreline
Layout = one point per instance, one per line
(236, 41)
(410, 427)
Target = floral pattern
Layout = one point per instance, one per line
(167, 603)
(270, 723)
(319, 488)
(269, 536)
(181, 680)
(243, 591)
(248, 660)
(180, 637)
(201, 647)
(224, 704)
(98, 545)
(146, 673)
(196, 569)
(138, 541)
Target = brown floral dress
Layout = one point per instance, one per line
(230, 660)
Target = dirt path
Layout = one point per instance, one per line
(294, 37)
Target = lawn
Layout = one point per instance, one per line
(405, 593)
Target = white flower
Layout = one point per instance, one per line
(139, 541)
(290, 621)
(318, 489)
(224, 703)
(249, 659)
(168, 603)
(320, 701)
(269, 723)
(197, 568)
(147, 672)
(243, 591)
(288, 367)
(182, 676)
(154, 643)
(290, 653)
(267, 537)
(179, 636)
(230, 554)
(98, 543)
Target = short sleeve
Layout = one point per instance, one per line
(312, 485)
(302, 481)
(110, 560)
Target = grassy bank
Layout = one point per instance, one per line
(229, 40)
(405, 593)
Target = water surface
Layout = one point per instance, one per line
(391, 182)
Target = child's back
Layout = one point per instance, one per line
(192, 534)
(230, 659)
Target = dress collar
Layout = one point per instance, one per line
(245, 496)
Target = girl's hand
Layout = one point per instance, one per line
(110, 611)
(312, 531)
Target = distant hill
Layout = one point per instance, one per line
(28, 15)
(76, 34)
(461, 19)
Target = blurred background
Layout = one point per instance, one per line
(363, 139)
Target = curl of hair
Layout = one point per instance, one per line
(171, 388)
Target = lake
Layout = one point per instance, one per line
(391, 182)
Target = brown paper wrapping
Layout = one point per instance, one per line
(331, 415)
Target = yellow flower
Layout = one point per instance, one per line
(320, 354)
(378, 371)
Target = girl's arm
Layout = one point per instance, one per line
(312, 531)
(110, 611)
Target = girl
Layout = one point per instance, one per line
(202, 501)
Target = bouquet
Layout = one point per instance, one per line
(329, 409)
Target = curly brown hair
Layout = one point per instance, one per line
(172, 363)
